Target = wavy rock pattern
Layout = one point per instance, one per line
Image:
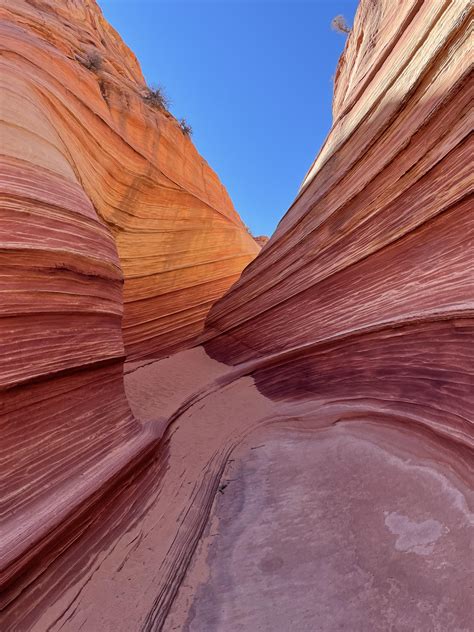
(116, 237)
(372, 265)
(180, 242)
(316, 466)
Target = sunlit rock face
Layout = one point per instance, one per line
(75, 102)
(97, 187)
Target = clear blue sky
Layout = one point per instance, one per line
(252, 77)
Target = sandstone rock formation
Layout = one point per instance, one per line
(316, 469)
(74, 105)
(261, 240)
(96, 187)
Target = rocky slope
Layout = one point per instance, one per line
(316, 470)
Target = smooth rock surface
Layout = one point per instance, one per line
(334, 381)
(331, 530)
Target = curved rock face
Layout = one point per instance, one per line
(372, 265)
(315, 470)
(60, 331)
(180, 242)
(96, 186)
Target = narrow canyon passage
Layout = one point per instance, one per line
(263, 515)
(202, 435)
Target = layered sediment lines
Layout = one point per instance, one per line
(65, 421)
(365, 291)
(180, 242)
(265, 512)
(316, 466)
(115, 239)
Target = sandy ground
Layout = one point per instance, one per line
(156, 389)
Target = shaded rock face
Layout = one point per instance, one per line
(310, 465)
(365, 291)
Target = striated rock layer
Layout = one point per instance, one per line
(115, 239)
(372, 265)
(76, 105)
(316, 466)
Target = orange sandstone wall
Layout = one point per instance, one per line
(365, 292)
(180, 242)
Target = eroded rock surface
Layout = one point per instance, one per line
(116, 237)
(316, 464)
(76, 105)
(262, 240)
(362, 533)
(365, 291)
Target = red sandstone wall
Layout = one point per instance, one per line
(96, 187)
(180, 242)
(365, 291)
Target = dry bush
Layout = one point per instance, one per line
(185, 127)
(156, 98)
(92, 60)
(340, 25)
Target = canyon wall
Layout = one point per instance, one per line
(76, 96)
(319, 443)
(365, 290)
(116, 237)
